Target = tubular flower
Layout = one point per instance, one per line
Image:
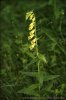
(31, 17)
(32, 30)
(30, 37)
(32, 46)
(31, 26)
(28, 14)
(33, 41)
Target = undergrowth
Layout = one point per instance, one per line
(33, 50)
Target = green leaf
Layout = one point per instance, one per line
(49, 86)
(32, 74)
(30, 54)
(50, 77)
(30, 90)
(42, 57)
(32, 62)
(40, 79)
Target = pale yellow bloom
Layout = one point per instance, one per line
(33, 19)
(32, 46)
(31, 16)
(33, 41)
(32, 32)
(28, 14)
(31, 26)
(30, 37)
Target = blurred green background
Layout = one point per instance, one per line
(15, 58)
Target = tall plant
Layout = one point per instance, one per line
(36, 88)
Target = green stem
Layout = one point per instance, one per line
(37, 56)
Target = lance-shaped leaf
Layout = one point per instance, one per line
(42, 57)
(30, 90)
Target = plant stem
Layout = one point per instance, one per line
(37, 56)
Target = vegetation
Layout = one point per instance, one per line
(33, 49)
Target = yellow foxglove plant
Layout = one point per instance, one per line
(32, 37)
(33, 46)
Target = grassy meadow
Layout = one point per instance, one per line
(33, 49)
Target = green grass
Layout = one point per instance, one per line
(38, 74)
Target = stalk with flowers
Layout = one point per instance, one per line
(35, 89)
(33, 37)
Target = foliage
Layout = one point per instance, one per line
(40, 72)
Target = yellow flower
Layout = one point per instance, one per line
(28, 14)
(32, 46)
(31, 16)
(32, 32)
(30, 37)
(31, 26)
(33, 41)
(33, 19)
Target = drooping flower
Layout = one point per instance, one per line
(30, 37)
(31, 26)
(31, 17)
(32, 46)
(32, 32)
(33, 41)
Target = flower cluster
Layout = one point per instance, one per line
(32, 29)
